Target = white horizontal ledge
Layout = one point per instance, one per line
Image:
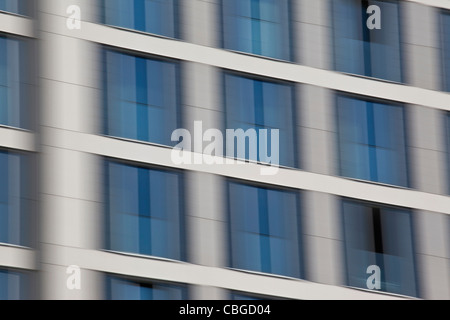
(225, 59)
(445, 4)
(186, 273)
(17, 257)
(12, 138)
(263, 67)
(293, 178)
(18, 25)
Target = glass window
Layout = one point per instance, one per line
(141, 97)
(144, 211)
(14, 285)
(372, 143)
(257, 26)
(152, 16)
(14, 6)
(126, 289)
(15, 203)
(13, 82)
(360, 50)
(257, 104)
(445, 25)
(447, 124)
(380, 236)
(264, 229)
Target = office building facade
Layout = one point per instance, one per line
(91, 92)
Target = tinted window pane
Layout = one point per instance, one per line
(13, 82)
(257, 26)
(14, 6)
(144, 211)
(360, 50)
(264, 227)
(445, 23)
(153, 16)
(123, 289)
(141, 98)
(379, 236)
(14, 199)
(372, 141)
(14, 285)
(254, 104)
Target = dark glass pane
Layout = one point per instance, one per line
(379, 236)
(123, 289)
(360, 50)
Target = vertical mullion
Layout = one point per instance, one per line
(141, 99)
(264, 230)
(256, 26)
(371, 141)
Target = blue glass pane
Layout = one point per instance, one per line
(14, 6)
(359, 50)
(260, 105)
(257, 26)
(13, 285)
(372, 141)
(264, 229)
(153, 16)
(445, 18)
(144, 211)
(141, 98)
(13, 83)
(122, 289)
(383, 237)
(14, 199)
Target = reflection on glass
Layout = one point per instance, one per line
(152, 16)
(124, 289)
(141, 98)
(372, 143)
(144, 211)
(360, 50)
(257, 26)
(14, 6)
(13, 82)
(380, 236)
(15, 199)
(264, 229)
(257, 104)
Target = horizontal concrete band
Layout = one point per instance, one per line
(186, 273)
(230, 60)
(286, 177)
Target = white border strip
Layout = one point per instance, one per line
(17, 257)
(445, 4)
(18, 139)
(220, 58)
(146, 153)
(264, 67)
(10, 23)
(187, 273)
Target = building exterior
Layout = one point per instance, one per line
(88, 181)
